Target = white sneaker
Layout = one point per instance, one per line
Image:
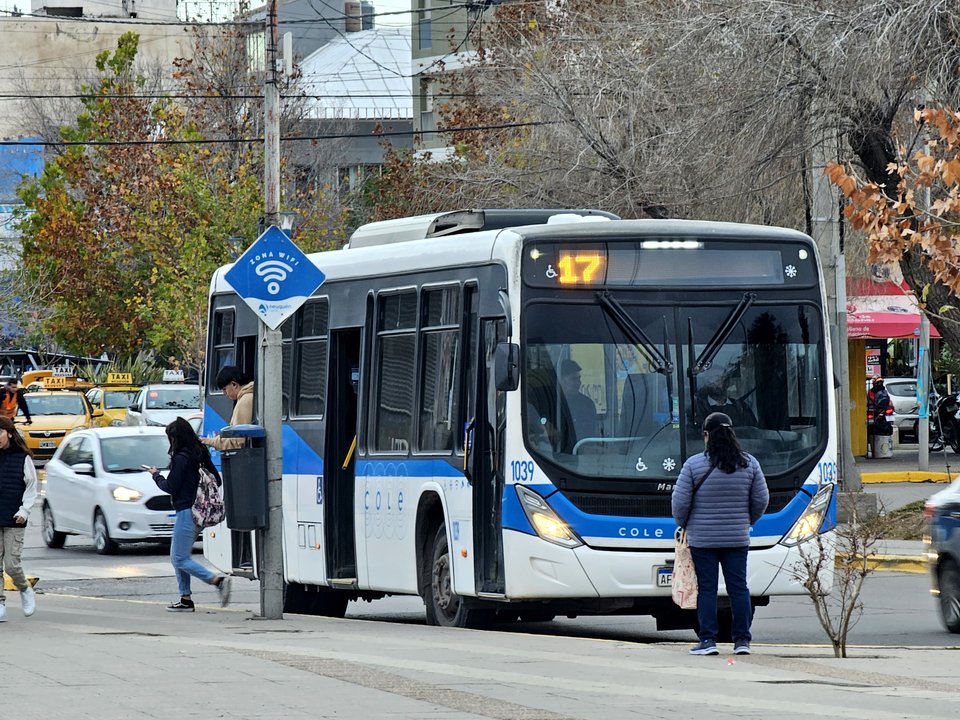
(3, 613)
(28, 599)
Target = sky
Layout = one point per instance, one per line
(393, 6)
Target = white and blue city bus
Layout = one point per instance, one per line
(429, 445)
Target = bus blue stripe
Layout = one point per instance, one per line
(300, 458)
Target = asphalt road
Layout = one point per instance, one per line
(898, 608)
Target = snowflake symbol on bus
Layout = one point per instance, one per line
(669, 464)
(791, 271)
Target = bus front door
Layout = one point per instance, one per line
(486, 465)
(339, 460)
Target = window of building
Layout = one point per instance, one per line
(256, 51)
(424, 25)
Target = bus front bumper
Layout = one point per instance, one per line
(536, 569)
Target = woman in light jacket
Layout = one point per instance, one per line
(720, 493)
(18, 492)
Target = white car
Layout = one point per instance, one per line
(161, 403)
(95, 486)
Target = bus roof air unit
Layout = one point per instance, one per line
(457, 222)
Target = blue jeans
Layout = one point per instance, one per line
(706, 562)
(181, 553)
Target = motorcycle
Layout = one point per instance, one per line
(945, 423)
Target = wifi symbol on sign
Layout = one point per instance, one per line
(273, 273)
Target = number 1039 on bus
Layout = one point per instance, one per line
(522, 470)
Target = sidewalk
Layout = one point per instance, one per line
(86, 659)
(904, 466)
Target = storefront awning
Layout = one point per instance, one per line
(885, 325)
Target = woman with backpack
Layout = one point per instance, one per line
(187, 455)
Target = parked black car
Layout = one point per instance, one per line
(942, 512)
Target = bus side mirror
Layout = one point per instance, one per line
(506, 366)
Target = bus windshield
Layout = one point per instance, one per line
(611, 398)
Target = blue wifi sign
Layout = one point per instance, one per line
(274, 277)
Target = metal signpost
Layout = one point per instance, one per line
(274, 278)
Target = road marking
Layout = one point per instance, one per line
(102, 572)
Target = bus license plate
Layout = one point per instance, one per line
(664, 576)
(47, 444)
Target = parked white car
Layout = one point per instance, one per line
(95, 486)
(161, 403)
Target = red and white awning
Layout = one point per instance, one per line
(882, 310)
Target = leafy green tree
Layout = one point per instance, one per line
(126, 231)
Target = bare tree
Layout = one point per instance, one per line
(832, 569)
(693, 108)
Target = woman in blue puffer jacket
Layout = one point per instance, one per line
(720, 493)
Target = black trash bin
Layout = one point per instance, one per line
(245, 478)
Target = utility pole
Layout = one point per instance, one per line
(269, 384)
(924, 377)
(826, 233)
(924, 374)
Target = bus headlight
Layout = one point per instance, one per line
(810, 522)
(545, 521)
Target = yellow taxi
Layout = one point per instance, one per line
(58, 378)
(55, 414)
(113, 397)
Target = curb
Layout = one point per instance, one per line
(916, 476)
(8, 585)
(894, 563)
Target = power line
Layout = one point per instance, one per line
(246, 22)
(122, 21)
(296, 138)
(259, 96)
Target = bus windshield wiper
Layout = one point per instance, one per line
(705, 358)
(635, 333)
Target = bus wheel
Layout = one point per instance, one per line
(444, 607)
(327, 603)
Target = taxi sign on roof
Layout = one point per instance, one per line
(118, 378)
(62, 371)
(55, 382)
(173, 375)
(274, 277)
